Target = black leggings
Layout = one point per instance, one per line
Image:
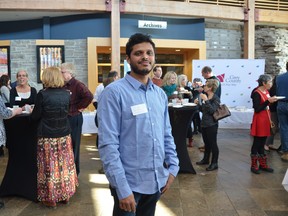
(209, 135)
(258, 145)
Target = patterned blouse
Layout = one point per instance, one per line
(5, 113)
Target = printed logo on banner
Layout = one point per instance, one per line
(237, 76)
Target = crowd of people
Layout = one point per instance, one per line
(57, 111)
(134, 138)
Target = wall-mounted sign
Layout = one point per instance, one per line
(152, 24)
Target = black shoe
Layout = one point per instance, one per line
(1, 204)
(213, 166)
(202, 162)
(1, 151)
(101, 170)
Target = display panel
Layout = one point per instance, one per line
(5, 60)
(48, 56)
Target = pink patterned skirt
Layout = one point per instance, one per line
(56, 178)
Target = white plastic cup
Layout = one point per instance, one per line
(174, 102)
(185, 101)
(27, 108)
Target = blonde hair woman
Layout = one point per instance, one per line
(169, 83)
(208, 124)
(55, 159)
(185, 92)
(182, 86)
(23, 93)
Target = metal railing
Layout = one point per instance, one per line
(279, 5)
(234, 3)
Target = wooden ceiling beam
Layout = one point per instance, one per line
(183, 9)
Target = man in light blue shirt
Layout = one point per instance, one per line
(135, 141)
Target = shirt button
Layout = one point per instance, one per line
(155, 140)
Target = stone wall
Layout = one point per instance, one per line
(225, 41)
(271, 44)
(23, 56)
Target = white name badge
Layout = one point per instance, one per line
(139, 109)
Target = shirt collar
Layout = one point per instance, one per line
(70, 81)
(136, 84)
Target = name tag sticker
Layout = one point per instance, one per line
(139, 109)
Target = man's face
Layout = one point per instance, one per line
(206, 75)
(158, 72)
(142, 58)
(66, 74)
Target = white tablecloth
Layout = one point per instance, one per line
(89, 123)
(238, 119)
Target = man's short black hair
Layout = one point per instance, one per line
(155, 68)
(136, 39)
(112, 74)
(206, 69)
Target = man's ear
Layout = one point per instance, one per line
(128, 59)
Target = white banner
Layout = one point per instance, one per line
(238, 78)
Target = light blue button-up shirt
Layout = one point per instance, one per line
(134, 147)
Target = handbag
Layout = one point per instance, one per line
(221, 112)
(273, 128)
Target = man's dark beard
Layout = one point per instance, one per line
(140, 72)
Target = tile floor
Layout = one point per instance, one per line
(232, 190)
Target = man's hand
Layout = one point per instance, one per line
(168, 183)
(128, 204)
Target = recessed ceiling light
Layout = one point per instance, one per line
(177, 50)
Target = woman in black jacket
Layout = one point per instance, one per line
(209, 104)
(56, 178)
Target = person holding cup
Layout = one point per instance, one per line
(5, 113)
(23, 93)
(187, 97)
(169, 84)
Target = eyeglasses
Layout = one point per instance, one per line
(22, 75)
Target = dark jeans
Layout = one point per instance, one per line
(197, 122)
(146, 204)
(76, 123)
(209, 135)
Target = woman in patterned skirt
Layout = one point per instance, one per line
(56, 178)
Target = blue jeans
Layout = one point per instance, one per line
(282, 112)
(146, 204)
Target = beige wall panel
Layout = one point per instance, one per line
(49, 42)
(176, 8)
(5, 43)
(272, 16)
(55, 5)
